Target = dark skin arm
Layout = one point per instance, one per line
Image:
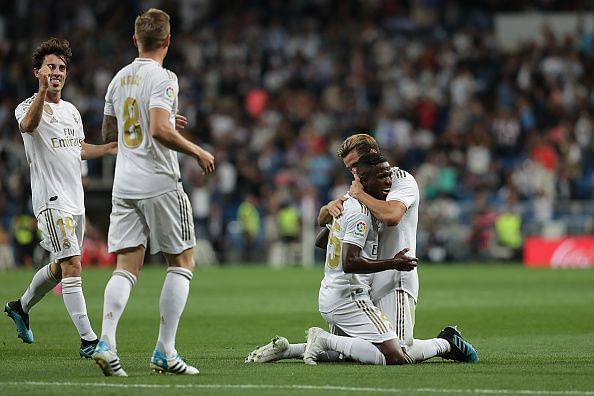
(322, 238)
(353, 262)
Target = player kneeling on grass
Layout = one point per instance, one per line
(449, 341)
(367, 336)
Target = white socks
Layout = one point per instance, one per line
(357, 349)
(294, 351)
(43, 281)
(117, 293)
(172, 303)
(74, 300)
(422, 350)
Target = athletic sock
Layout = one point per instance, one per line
(117, 293)
(355, 348)
(422, 350)
(172, 303)
(74, 300)
(43, 281)
(294, 351)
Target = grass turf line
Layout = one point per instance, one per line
(534, 330)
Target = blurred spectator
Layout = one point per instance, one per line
(508, 229)
(94, 249)
(24, 231)
(286, 249)
(6, 253)
(249, 220)
(273, 87)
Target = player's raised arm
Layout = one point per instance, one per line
(33, 116)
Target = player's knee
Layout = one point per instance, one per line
(393, 353)
(70, 266)
(395, 358)
(189, 265)
(183, 260)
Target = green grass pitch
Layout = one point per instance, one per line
(534, 330)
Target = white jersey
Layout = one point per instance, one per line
(53, 152)
(358, 227)
(394, 239)
(144, 167)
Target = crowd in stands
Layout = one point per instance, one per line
(494, 137)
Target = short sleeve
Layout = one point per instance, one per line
(164, 93)
(108, 107)
(82, 124)
(21, 111)
(357, 226)
(404, 189)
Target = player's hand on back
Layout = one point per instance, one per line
(402, 262)
(180, 122)
(206, 161)
(335, 207)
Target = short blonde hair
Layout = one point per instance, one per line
(361, 142)
(151, 29)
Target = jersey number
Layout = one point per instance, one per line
(66, 226)
(334, 248)
(132, 129)
(67, 229)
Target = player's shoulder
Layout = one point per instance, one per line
(170, 74)
(400, 175)
(68, 104)
(160, 73)
(353, 207)
(26, 103)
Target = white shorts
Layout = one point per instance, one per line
(361, 319)
(399, 307)
(62, 233)
(165, 219)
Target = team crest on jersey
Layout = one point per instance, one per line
(47, 109)
(360, 228)
(170, 93)
(66, 243)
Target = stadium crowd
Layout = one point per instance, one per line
(494, 137)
